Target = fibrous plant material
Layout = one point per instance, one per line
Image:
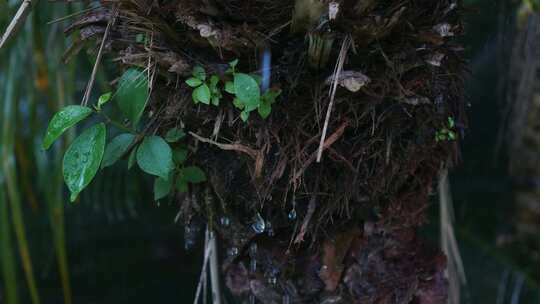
(317, 201)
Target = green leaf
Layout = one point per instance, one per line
(215, 100)
(257, 78)
(214, 80)
(199, 72)
(193, 174)
(246, 89)
(244, 115)
(63, 120)
(251, 107)
(132, 94)
(229, 87)
(451, 122)
(162, 187)
(174, 135)
(179, 156)
(194, 82)
(238, 104)
(451, 135)
(264, 109)
(271, 95)
(82, 159)
(233, 63)
(202, 94)
(181, 185)
(116, 149)
(132, 157)
(103, 99)
(154, 156)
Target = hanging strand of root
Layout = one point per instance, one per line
(17, 21)
(337, 71)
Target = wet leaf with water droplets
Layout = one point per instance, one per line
(63, 120)
(116, 149)
(82, 159)
(246, 88)
(132, 94)
(154, 156)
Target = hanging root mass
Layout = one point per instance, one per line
(318, 203)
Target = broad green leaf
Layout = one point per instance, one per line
(246, 88)
(63, 120)
(116, 149)
(202, 94)
(103, 99)
(244, 115)
(132, 94)
(198, 72)
(154, 156)
(82, 159)
(181, 185)
(264, 109)
(180, 156)
(229, 87)
(174, 135)
(132, 157)
(194, 82)
(193, 174)
(162, 187)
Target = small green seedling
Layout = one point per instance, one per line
(206, 91)
(245, 88)
(446, 133)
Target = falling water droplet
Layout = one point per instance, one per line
(259, 225)
(286, 299)
(225, 221)
(253, 265)
(233, 251)
(253, 250)
(272, 280)
(266, 70)
(270, 229)
(292, 214)
(272, 274)
(191, 234)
